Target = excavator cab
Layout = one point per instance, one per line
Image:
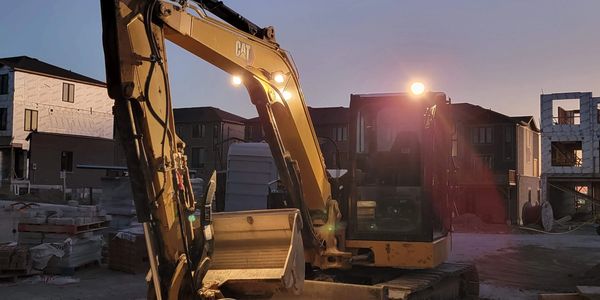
(400, 165)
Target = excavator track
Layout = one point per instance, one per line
(447, 281)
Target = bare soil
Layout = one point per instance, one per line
(511, 266)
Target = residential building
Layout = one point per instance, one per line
(71, 151)
(570, 146)
(497, 161)
(253, 131)
(207, 132)
(331, 128)
(37, 97)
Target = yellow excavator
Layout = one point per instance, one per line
(195, 253)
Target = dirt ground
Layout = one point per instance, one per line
(516, 265)
(521, 265)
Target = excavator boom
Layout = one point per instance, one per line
(134, 34)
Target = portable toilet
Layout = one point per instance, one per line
(250, 169)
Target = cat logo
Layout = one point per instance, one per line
(244, 51)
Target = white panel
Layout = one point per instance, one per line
(89, 115)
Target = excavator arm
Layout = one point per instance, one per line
(183, 252)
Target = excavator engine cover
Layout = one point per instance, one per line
(257, 253)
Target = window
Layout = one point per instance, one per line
(567, 154)
(216, 131)
(68, 93)
(198, 157)
(3, 117)
(566, 112)
(454, 141)
(509, 146)
(198, 130)
(3, 84)
(483, 162)
(180, 129)
(482, 135)
(66, 161)
(31, 120)
(340, 134)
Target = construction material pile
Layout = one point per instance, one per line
(117, 201)
(58, 238)
(127, 251)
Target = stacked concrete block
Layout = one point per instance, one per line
(117, 201)
(74, 229)
(79, 251)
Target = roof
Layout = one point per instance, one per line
(32, 65)
(321, 116)
(255, 120)
(205, 114)
(477, 114)
(67, 135)
(526, 121)
(329, 115)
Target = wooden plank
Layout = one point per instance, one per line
(561, 296)
(69, 229)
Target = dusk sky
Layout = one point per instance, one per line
(497, 54)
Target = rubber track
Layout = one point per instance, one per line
(448, 281)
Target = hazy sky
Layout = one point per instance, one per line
(497, 54)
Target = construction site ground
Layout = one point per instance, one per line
(514, 264)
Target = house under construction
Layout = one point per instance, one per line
(570, 152)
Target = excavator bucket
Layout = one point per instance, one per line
(257, 253)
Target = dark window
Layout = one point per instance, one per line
(482, 135)
(508, 143)
(180, 129)
(198, 157)
(340, 134)
(567, 154)
(66, 161)
(3, 84)
(68, 93)
(216, 131)
(3, 117)
(31, 120)
(483, 162)
(198, 130)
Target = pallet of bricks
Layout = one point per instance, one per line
(127, 251)
(72, 233)
(15, 261)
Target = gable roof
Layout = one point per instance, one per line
(321, 116)
(477, 114)
(526, 121)
(205, 114)
(329, 115)
(35, 66)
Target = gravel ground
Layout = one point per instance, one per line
(519, 266)
(511, 266)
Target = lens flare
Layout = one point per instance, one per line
(236, 80)
(417, 88)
